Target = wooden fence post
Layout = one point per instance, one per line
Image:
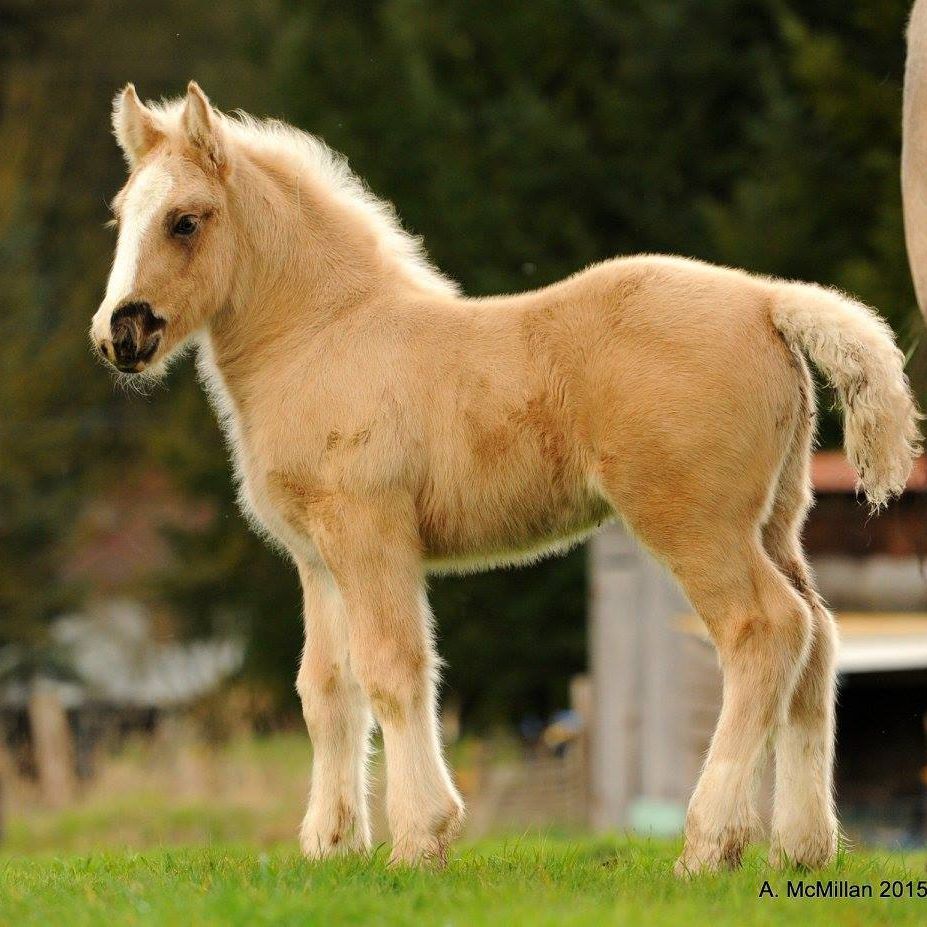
(52, 745)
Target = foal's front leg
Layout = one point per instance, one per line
(338, 717)
(373, 553)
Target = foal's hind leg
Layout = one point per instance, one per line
(707, 531)
(804, 828)
(761, 629)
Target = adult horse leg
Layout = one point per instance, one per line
(338, 717)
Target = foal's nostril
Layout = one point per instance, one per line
(136, 334)
(136, 311)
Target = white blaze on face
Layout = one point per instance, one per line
(142, 203)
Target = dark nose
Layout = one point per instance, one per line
(136, 332)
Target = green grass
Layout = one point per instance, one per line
(530, 880)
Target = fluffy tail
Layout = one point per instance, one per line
(857, 353)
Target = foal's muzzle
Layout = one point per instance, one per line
(135, 335)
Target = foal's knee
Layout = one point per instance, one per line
(396, 675)
(325, 693)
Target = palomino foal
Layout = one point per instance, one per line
(382, 425)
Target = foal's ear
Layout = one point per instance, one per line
(201, 125)
(135, 126)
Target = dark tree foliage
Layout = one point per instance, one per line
(523, 140)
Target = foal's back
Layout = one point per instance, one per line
(633, 385)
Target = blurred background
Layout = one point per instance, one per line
(149, 642)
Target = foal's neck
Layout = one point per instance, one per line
(307, 261)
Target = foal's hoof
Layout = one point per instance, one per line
(687, 866)
(430, 852)
(325, 835)
(706, 857)
(812, 852)
(315, 848)
(429, 848)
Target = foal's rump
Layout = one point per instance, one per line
(697, 403)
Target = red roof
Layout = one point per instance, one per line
(831, 473)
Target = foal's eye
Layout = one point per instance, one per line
(184, 226)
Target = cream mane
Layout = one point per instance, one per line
(307, 155)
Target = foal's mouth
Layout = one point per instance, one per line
(137, 334)
(139, 361)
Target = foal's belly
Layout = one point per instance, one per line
(507, 481)
(486, 535)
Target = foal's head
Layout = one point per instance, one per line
(176, 249)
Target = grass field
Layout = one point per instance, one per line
(200, 836)
(525, 881)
